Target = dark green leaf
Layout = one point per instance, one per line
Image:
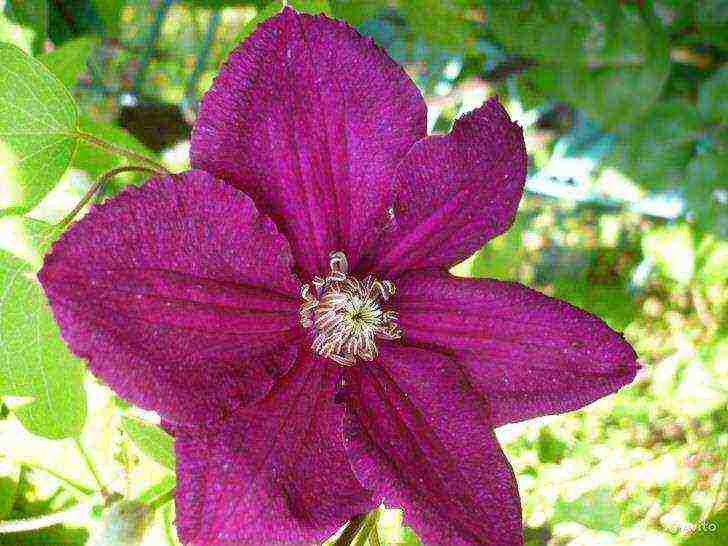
(9, 476)
(549, 448)
(32, 14)
(110, 13)
(37, 129)
(713, 97)
(151, 440)
(68, 62)
(655, 149)
(442, 24)
(706, 176)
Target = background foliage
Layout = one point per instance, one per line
(625, 111)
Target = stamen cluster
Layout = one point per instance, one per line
(346, 314)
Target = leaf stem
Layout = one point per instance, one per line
(91, 467)
(162, 499)
(79, 490)
(97, 186)
(121, 151)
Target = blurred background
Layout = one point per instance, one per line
(624, 106)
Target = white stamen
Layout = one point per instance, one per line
(346, 314)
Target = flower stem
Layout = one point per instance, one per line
(97, 186)
(121, 151)
(91, 466)
(42, 522)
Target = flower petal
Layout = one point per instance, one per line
(529, 354)
(179, 294)
(276, 473)
(456, 192)
(311, 119)
(419, 435)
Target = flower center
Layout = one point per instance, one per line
(346, 314)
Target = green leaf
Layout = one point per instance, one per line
(68, 62)
(37, 129)
(595, 510)
(9, 476)
(440, 23)
(655, 149)
(166, 485)
(110, 13)
(549, 448)
(609, 63)
(314, 7)
(354, 12)
(34, 362)
(706, 174)
(31, 14)
(151, 440)
(538, 29)
(94, 160)
(711, 17)
(713, 97)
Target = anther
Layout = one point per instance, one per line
(346, 314)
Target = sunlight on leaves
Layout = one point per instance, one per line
(37, 126)
(151, 440)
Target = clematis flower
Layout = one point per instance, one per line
(287, 309)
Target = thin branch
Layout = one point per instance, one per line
(124, 152)
(91, 466)
(95, 188)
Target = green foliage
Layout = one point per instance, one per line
(94, 160)
(712, 532)
(712, 102)
(9, 475)
(151, 440)
(609, 63)
(37, 122)
(549, 448)
(656, 148)
(707, 173)
(595, 510)
(68, 61)
(36, 364)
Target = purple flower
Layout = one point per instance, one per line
(286, 306)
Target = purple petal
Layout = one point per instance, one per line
(276, 473)
(456, 192)
(179, 294)
(311, 119)
(419, 436)
(529, 354)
